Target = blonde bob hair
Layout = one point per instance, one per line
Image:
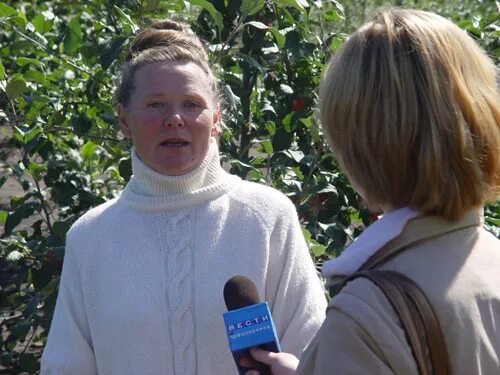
(410, 106)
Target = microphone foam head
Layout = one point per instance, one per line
(239, 292)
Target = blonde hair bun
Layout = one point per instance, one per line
(168, 24)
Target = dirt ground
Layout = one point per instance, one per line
(9, 156)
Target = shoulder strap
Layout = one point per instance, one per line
(417, 317)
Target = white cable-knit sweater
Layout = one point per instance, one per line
(143, 274)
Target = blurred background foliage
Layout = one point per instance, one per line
(61, 152)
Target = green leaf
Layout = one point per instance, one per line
(25, 136)
(492, 220)
(3, 216)
(151, 5)
(36, 170)
(28, 362)
(73, 37)
(250, 60)
(43, 25)
(335, 43)
(15, 87)
(7, 11)
(125, 168)
(59, 228)
(35, 76)
(268, 107)
(14, 256)
(300, 5)
(287, 122)
(286, 89)
(14, 218)
(19, 20)
(295, 155)
(23, 61)
(258, 25)
(271, 128)
(307, 121)
(88, 150)
(2, 71)
(127, 20)
(306, 234)
(50, 287)
(318, 250)
(81, 124)
(250, 7)
(328, 189)
(112, 53)
(279, 36)
(109, 118)
(32, 133)
(233, 99)
(255, 175)
(332, 15)
(267, 147)
(39, 22)
(211, 10)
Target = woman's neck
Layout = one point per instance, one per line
(150, 183)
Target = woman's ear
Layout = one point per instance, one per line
(123, 120)
(216, 121)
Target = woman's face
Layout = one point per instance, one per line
(171, 116)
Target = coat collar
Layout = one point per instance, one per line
(415, 229)
(389, 226)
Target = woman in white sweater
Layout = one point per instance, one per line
(143, 274)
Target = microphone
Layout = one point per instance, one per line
(248, 323)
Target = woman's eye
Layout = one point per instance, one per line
(155, 105)
(192, 105)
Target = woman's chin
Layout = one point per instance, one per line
(175, 169)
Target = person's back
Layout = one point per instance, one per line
(460, 275)
(410, 105)
(456, 265)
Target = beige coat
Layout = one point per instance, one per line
(458, 267)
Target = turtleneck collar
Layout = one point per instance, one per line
(152, 191)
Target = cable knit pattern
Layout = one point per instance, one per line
(143, 274)
(178, 261)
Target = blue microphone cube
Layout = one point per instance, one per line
(250, 326)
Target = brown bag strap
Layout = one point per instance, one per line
(421, 326)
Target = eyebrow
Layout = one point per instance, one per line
(162, 95)
(189, 96)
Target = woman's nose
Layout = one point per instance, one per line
(174, 119)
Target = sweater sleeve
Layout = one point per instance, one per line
(293, 285)
(69, 345)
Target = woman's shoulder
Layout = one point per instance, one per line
(360, 298)
(95, 217)
(260, 195)
(361, 325)
(366, 305)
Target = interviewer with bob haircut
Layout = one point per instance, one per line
(410, 105)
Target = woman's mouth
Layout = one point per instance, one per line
(174, 143)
